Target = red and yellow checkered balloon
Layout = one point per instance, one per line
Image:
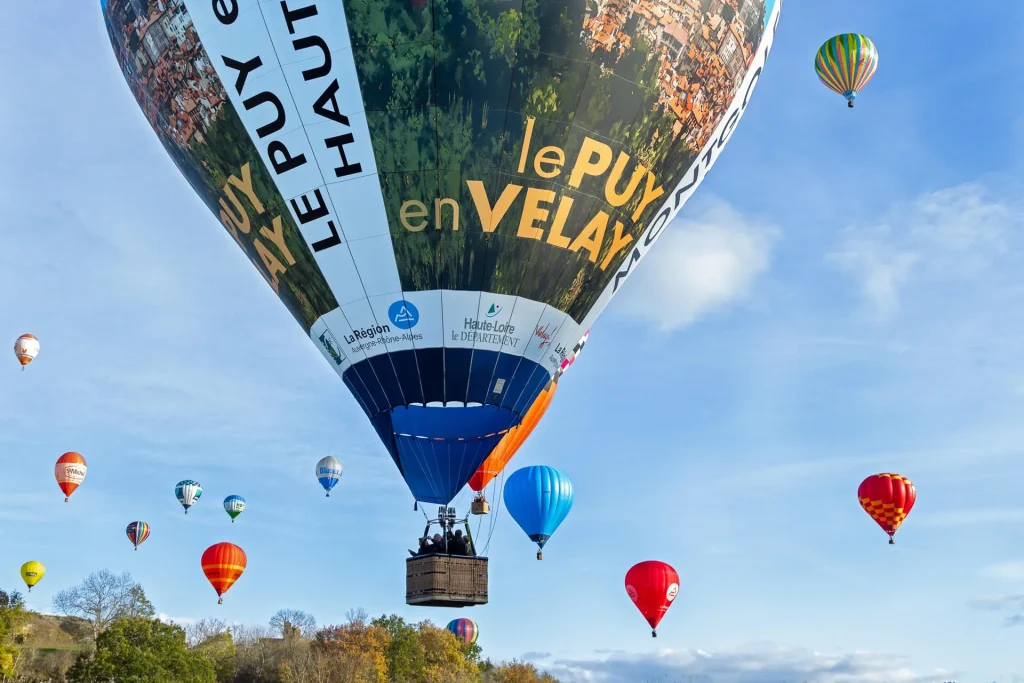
(888, 498)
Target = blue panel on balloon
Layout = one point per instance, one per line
(437, 449)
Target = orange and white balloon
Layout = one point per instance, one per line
(70, 472)
(26, 348)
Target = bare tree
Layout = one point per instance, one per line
(287, 619)
(357, 616)
(103, 598)
(199, 632)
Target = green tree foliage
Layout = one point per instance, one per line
(138, 650)
(133, 649)
(12, 618)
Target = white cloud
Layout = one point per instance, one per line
(1012, 570)
(752, 664)
(881, 271)
(941, 236)
(698, 266)
(180, 621)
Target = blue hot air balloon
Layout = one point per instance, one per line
(443, 259)
(538, 498)
(328, 473)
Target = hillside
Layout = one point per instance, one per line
(50, 643)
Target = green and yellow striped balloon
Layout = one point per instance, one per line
(845, 63)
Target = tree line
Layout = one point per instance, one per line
(106, 632)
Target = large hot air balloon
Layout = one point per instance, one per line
(328, 473)
(465, 629)
(223, 563)
(652, 586)
(137, 533)
(443, 207)
(32, 573)
(514, 439)
(69, 472)
(888, 498)
(234, 505)
(539, 498)
(188, 492)
(845, 64)
(26, 348)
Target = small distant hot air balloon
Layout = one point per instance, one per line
(845, 64)
(137, 533)
(234, 505)
(328, 473)
(538, 498)
(188, 492)
(31, 573)
(70, 472)
(652, 586)
(26, 347)
(223, 563)
(465, 629)
(888, 498)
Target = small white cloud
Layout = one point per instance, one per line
(180, 621)
(949, 234)
(1012, 570)
(754, 664)
(698, 266)
(880, 271)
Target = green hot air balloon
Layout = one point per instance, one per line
(845, 63)
(444, 194)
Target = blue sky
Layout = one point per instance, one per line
(841, 297)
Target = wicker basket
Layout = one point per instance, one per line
(446, 581)
(479, 506)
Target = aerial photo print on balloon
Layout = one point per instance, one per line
(445, 193)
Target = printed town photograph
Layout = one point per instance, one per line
(184, 101)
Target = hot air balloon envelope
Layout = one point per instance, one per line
(32, 573)
(234, 505)
(845, 64)
(328, 472)
(888, 499)
(70, 472)
(223, 563)
(652, 586)
(465, 629)
(539, 498)
(137, 533)
(188, 492)
(26, 348)
(444, 202)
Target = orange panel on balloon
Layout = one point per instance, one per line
(510, 443)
